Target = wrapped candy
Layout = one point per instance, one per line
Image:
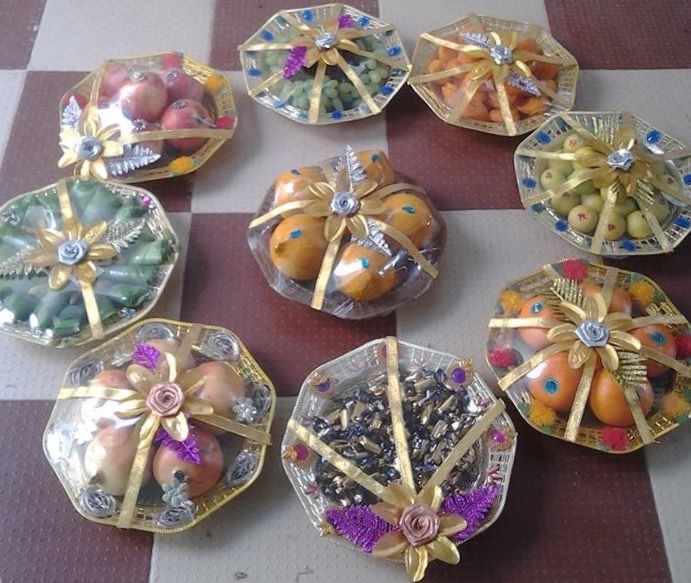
(497, 76)
(81, 259)
(609, 183)
(399, 451)
(145, 118)
(158, 427)
(351, 237)
(592, 354)
(324, 64)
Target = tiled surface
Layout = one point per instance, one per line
(571, 515)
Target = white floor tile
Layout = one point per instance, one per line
(12, 83)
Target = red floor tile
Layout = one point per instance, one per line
(460, 169)
(42, 537)
(19, 23)
(234, 22)
(635, 34)
(224, 286)
(572, 514)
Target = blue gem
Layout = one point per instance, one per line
(543, 138)
(529, 182)
(683, 222)
(375, 157)
(307, 15)
(653, 136)
(254, 72)
(628, 245)
(537, 307)
(336, 114)
(266, 35)
(295, 171)
(551, 385)
(538, 207)
(394, 51)
(687, 179)
(386, 90)
(364, 262)
(409, 209)
(658, 338)
(561, 225)
(364, 20)
(295, 234)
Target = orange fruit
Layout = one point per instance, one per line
(554, 382)
(608, 402)
(621, 300)
(544, 71)
(529, 44)
(364, 274)
(536, 307)
(294, 184)
(409, 214)
(658, 337)
(297, 246)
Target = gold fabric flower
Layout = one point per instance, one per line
(88, 145)
(423, 532)
(71, 251)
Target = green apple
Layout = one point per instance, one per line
(584, 187)
(593, 200)
(572, 142)
(637, 225)
(583, 219)
(626, 207)
(563, 203)
(581, 151)
(563, 166)
(550, 179)
(615, 227)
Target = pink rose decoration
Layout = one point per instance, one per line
(419, 524)
(165, 399)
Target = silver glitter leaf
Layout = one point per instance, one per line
(134, 156)
(478, 39)
(524, 84)
(95, 502)
(71, 114)
(121, 234)
(177, 516)
(15, 265)
(375, 240)
(349, 163)
(242, 469)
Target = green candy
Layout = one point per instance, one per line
(5, 290)
(21, 305)
(106, 308)
(102, 207)
(12, 240)
(153, 253)
(126, 294)
(82, 191)
(51, 305)
(132, 209)
(69, 321)
(135, 274)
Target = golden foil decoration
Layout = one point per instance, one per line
(92, 146)
(626, 151)
(592, 335)
(153, 411)
(489, 52)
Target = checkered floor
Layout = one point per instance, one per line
(572, 514)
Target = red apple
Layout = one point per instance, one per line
(114, 77)
(109, 456)
(186, 114)
(222, 386)
(200, 478)
(143, 96)
(180, 85)
(113, 378)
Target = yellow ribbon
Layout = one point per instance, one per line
(398, 497)
(135, 403)
(485, 68)
(370, 204)
(564, 338)
(324, 57)
(617, 181)
(48, 255)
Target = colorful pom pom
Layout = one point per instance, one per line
(673, 406)
(225, 122)
(541, 415)
(615, 438)
(511, 302)
(215, 83)
(683, 343)
(575, 269)
(502, 357)
(642, 292)
(181, 165)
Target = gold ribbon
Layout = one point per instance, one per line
(485, 68)
(84, 270)
(335, 227)
(324, 57)
(631, 183)
(397, 497)
(134, 403)
(564, 338)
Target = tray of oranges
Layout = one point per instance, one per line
(592, 354)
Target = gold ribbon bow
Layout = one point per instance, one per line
(631, 178)
(365, 201)
(324, 43)
(485, 67)
(72, 252)
(398, 499)
(138, 402)
(592, 333)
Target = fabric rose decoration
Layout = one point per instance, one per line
(165, 399)
(419, 524)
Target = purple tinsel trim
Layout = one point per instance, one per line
(473, 506)
(187, 450)
(146, 355)
(359, 525)
(295, 61)
(363, 528)
(345, 21)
